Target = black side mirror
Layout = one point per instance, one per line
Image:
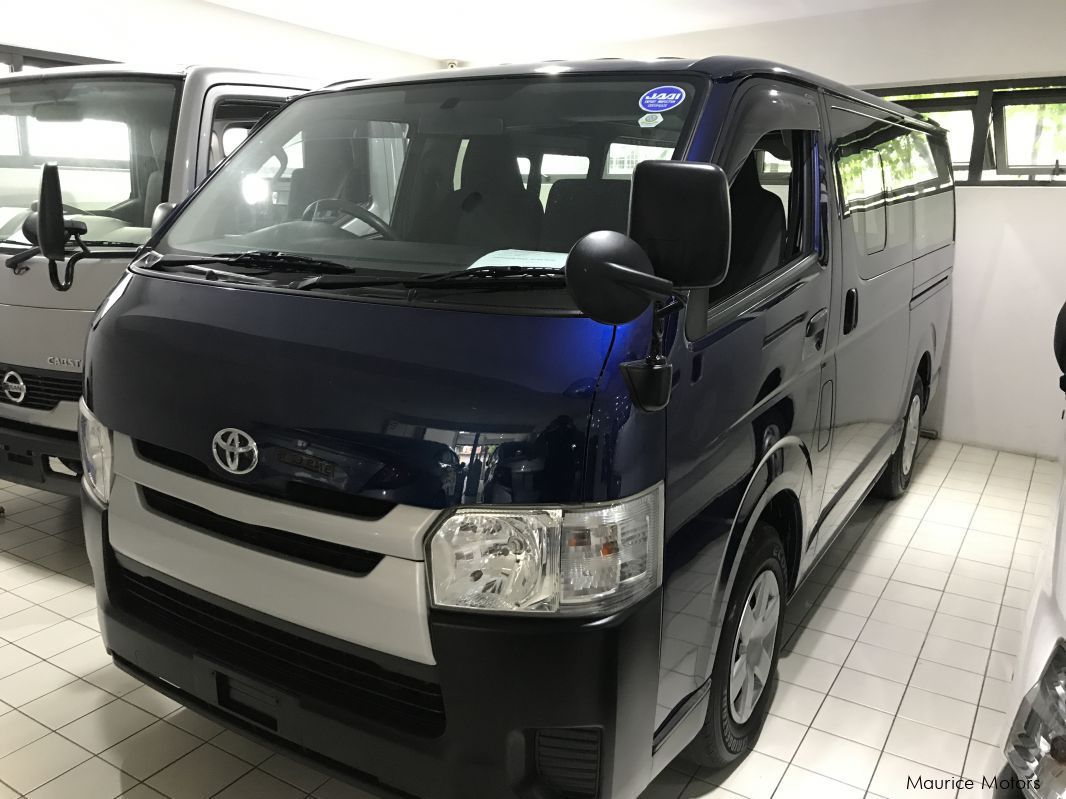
(51, 226)
(611, 278)
(160, 214)
(679, 214)
(48, 230)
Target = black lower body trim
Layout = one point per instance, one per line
(534, 709)
(25, 453)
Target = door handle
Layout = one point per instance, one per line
(816, 327)
(851, 310)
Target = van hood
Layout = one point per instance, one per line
(383, 403)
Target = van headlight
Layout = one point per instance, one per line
(95, 441)
(1036, 746)
(579, 560)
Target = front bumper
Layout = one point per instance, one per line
(27, 452)
(531, 708)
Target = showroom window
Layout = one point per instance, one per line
(1004, 133)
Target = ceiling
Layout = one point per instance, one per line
(480, 31)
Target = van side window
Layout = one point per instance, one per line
(894, 185)
(862, 187)
(934, 209)
(770, 157)
(234, 118)
(772, 199)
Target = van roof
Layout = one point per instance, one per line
(718, 68)
(157, 70)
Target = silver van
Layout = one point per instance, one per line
(126, 140)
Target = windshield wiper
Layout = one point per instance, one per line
(220, 274)
(266, 260)
(487, 277)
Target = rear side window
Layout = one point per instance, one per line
(862, 188)
(895, 191)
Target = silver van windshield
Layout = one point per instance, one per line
(112, 138)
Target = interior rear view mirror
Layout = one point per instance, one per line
(161, 214)
(611, 278)
(679, 214)
(60, 111)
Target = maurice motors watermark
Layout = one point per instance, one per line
(918, 782)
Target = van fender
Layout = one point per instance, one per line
(925, 345)
(796, 477)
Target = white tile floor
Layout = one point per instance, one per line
(897, 657)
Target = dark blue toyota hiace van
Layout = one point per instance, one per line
(466, 434)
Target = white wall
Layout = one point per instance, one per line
(1001, 387)
(193, 32)
(928, 41)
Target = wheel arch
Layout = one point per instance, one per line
(782, 500)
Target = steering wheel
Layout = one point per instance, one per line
(351, 209)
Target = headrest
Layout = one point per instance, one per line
(567, 191)
(157, 138)
(489, 161)
(778, 144)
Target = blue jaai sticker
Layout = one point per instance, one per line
(662, 98)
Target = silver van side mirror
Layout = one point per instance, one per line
(160, 214)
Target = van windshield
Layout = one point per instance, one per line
(112, 140)
(439, 176)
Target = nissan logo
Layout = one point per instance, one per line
(234, 450)
(13, 387)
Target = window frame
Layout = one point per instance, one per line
(709, 314)
(987, 108)
(1000, 102)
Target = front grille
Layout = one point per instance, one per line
(311, 496)
(568, 759)
(44, 389)
(267, 539)
(345, 685)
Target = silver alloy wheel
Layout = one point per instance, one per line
(910, 433)
(753, 649)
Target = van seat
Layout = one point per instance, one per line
(577, 206)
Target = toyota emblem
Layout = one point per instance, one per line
(234, 450)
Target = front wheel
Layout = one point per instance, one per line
(897, 475)
(747, 655)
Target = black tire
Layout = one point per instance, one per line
(897, 474)
(723, 738)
